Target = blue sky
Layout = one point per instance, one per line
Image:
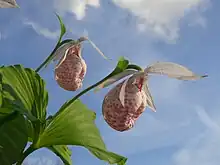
(185, 130)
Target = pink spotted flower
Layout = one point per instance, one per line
(124, 103)
(71, 68)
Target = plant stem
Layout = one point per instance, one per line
(46, 60)
(89, 88)
(83, 92)
(132, 66)
(95, 85)
(25, 154)
(51, 55)
(101, 81)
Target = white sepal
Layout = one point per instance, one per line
(149, 98)
(62, 59)
(60, 52)
(96, 48)
(172, 70)
(122, 92)
(115, 78)
(8, 4)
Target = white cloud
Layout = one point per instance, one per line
(78, 7)
(203, 149)
(162, 17)
(43, 31)
(2, 35)
(33, 160)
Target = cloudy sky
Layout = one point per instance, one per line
(185, 130)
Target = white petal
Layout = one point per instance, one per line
(172, 70)
(96, 48)
(60, 52)
(115, 78)
(8, 4)
(149, 99)
(62, 59)
(122, 92)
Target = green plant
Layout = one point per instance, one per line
(23, 109)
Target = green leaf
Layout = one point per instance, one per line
(121, 65)
(4, 112)
(13, 139)
(75, 126)
(60, 150)
(24, 91)
(62, 27)
(30, 130)
(118, 73)
(1, 91)
(63, 152)
(5, 115)
(111, 157)
(59, 43)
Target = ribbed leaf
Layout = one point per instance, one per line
(8, 4)
(30, 130)
(111, 157)
(24, 90)
(63, 152)
(13, 138)
(74, 125)
(4, 113)
(60, 150)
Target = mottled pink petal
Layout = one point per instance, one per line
(71, 69)
(119, 117)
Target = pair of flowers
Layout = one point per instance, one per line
(125, 102)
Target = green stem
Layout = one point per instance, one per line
(25, 154)
(83, 92)
(95, 85)
(46, 60)
(51, 55)
(91, 87)
(132, 66)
